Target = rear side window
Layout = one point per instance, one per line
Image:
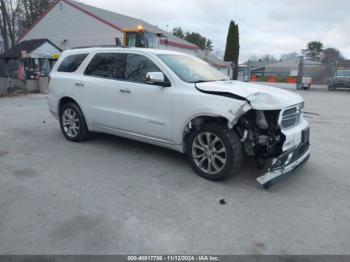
(110, 65)
(71, 63)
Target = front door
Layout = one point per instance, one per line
(144, 109)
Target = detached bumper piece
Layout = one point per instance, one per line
(286, 164)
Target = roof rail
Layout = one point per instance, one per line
(94, 46)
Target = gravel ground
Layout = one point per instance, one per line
(114, 196)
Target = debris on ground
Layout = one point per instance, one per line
(222, 201)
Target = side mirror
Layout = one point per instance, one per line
(156, 78)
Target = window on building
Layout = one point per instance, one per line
(71, 63)
(138, 66)
(110, 65)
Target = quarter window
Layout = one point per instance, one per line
(110, 65)
(71, 63)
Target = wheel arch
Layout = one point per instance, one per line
(64, 100)
(84, 129)
(197, 121)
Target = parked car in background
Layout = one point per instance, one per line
(341, 79)
(178, 101)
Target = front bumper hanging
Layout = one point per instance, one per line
(286, 164)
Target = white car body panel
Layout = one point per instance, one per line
(147, 106)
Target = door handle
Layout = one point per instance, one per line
(125, 91)
(79, 84)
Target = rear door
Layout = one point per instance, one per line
(100, 85)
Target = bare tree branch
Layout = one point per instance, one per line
(16, 16)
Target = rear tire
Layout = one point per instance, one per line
(72, 122)
(214, 152)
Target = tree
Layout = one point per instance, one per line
(331, 58)
(199, 40)
(194, 38)
(177, 31)
(268, 58)
(16, 16)
(209, 45)
(313, 50)
(32, 10)
(232, 47)
(8, 22)
(253, 58)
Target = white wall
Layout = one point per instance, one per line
(65, 22)
(46, 50)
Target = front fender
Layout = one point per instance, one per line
(231, 115)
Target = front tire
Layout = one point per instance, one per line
(72, 122)
(215, 152)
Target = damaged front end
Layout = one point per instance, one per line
(285, 164)
(270, 125)
(280, 135)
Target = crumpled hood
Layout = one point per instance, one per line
(261, 97)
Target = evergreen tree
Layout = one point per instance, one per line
(194, 38)
(232, 47)
(177, 31)
(314, 50)
(197, 39)
(209, 45)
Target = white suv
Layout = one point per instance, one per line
(178, 101)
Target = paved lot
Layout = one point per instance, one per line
(114, 196)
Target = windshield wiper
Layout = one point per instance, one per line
(200, 81)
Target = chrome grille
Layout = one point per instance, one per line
(291, 116)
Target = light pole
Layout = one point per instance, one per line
(300, 71)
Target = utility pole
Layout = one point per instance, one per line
(234, 70)
(300, 71)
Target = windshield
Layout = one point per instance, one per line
(191, 69)
(151, 39)
(343, 73)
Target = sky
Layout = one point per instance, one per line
(266, 27)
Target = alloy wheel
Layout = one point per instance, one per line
(209, 153)
(71, 123)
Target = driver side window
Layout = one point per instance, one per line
(137, 66)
